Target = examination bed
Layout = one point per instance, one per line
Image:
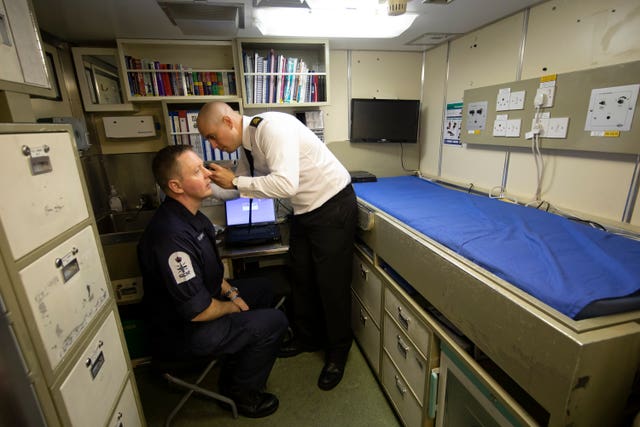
(553, 302)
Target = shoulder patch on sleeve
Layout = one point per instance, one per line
(181, 267)
(255, 121)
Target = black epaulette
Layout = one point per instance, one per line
(256, 121)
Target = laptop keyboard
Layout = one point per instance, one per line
(258, 233)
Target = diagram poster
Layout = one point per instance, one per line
(452, 124)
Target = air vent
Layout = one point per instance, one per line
(280, 3)
(205, 19)
(432, 39)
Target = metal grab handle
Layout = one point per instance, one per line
(404, 319)
(402, 347)
(401, 388)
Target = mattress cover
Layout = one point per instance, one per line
(565, 264)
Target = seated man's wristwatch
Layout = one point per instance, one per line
(234, 182)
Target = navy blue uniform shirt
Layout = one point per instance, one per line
(182, 272)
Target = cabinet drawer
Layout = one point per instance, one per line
(65, 288)
(408, 321)
(126, 412)
(91, 388)
(366, 332)
(409, 361)
(45, 197)
(368, 286)
(398, 391)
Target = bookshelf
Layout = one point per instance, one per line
(180, 117)
(283, 72)
(178, 69)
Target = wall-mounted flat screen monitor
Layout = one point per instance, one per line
(384, 120)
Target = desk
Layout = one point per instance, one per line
(237, 260)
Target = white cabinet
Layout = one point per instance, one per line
(23, 66)
(54, 282)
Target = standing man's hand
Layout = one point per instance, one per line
(221, 176)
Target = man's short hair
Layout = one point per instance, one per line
(165, 164)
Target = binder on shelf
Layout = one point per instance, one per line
(195, 140)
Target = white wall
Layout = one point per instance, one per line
(557, 37)
(371, 74)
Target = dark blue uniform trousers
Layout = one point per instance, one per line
(248, 341)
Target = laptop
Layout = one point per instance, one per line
(262, 229)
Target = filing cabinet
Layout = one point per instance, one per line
(60, 308)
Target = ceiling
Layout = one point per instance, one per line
(95, 22)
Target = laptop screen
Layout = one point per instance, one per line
(237, 211)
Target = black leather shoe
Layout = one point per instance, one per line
(330, 376)
(295, 347)
(256, 404)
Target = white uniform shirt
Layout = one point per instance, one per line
(290, 162)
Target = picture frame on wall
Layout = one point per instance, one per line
(52, 66)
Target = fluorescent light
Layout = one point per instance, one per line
(323, 22)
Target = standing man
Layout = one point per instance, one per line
(193, 310)
(284, 159)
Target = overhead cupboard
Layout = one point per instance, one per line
(519, 316)
(55, 289)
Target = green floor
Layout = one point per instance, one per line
(357, 401)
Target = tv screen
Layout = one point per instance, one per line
(384, 120)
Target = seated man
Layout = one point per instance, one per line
(193, 310)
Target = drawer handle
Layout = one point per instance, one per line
(363, 317)
(433, 393)
(401, 387)
(363, 272)
(403, 318)
(402, 347)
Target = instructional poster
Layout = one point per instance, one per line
(452, 124)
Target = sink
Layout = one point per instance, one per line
(123, 226)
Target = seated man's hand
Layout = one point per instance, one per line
(239, 302)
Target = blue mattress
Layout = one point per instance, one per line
(567, 265)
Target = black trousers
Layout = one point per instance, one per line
(321, 251)
(249, 341)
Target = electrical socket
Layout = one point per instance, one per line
(476, 115)
(516, 100)
(612, 108)
(549, 93)
(502, 101)
(513, 128)
(500, 128)
(557, 127)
